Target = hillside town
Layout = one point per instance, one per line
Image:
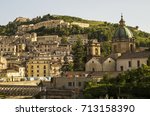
(27, 57)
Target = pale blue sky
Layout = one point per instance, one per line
(136, 12)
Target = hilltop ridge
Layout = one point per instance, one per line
(100, 30)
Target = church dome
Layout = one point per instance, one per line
(122, 32)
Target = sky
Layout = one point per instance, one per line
(135, 12)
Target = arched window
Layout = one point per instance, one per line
(131, 48)
(96, 51)
(115, 48)
(93, 69)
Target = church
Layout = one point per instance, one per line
(123, 57)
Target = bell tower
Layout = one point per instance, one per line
(93, 49)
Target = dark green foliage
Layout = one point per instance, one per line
(105, 48)
(64, 40)
(61, 31)
(130, 84)
(9, 29)
(148, 62)
(67, 67)
(79, 54)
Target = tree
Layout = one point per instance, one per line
(106, 48)
(64, 40)
(67, 67)
(133, 83)
(148, 62)
(79, 56)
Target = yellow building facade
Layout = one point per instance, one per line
(93, 48)
(38, 68)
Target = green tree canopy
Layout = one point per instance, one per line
(79, 56)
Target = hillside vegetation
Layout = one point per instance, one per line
(103, 31)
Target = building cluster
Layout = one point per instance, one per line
(42, 57)
(49, 24)
(30, 57)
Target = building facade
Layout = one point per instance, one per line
(130, 61)
(38, 68)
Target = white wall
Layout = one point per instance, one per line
(125, 63)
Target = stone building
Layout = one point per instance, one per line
(13, 74)
(47, 24)
(93, 49)
(83, 25)
(100, 64)
(8, 48)
(72, 39)
(130, 61)
(3, 63)
(38, 68)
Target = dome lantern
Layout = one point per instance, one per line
(122, 33)
(122, 22)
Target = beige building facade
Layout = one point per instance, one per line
(93, 65)
(101, 64)
(38, 68)
(130, 61)
(13, 74)
(93, 49)
(3, 63)
(83, 25)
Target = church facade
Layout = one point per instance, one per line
(123, 56)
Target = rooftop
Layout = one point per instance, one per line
(144, 54)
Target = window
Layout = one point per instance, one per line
(129, 63)
(37, 66)
(79, 84)
(92, 61)
(69, 84)
(131, 48)
(32, 67)
(37, 75)
(73, 84)
(44, 67)
(93, 69)
(37, 71)
(148, 63)
(138, 63)
(115, 48)
(121, 68)
(96, 51)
